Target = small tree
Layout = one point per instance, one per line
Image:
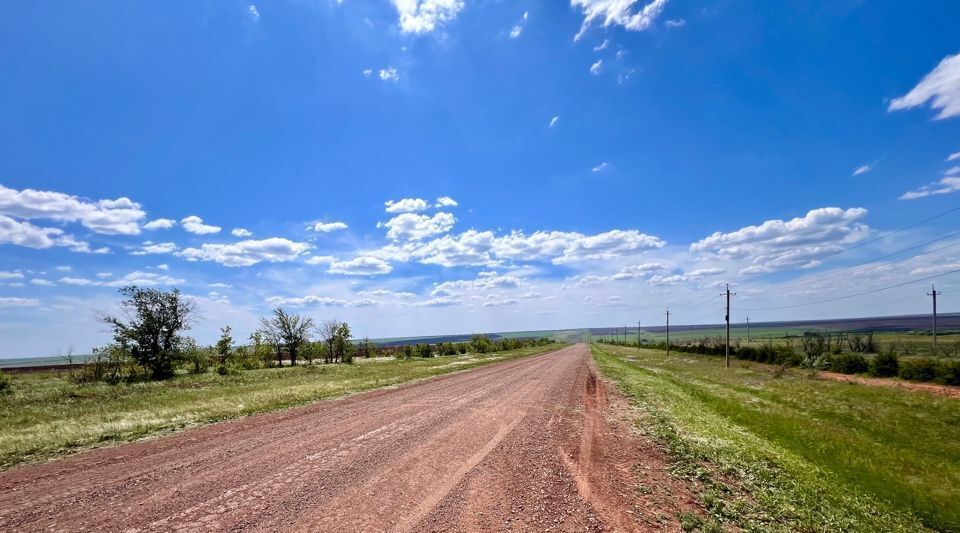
(271, 335)
(480, 343)
(262, 351)
(151, 327)
(327, 330)
(342, 343)
(195, 355)
(224, 345)
(292, 331)
(813, 345)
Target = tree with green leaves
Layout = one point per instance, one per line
(344, 348)
(224, 345)
(291, 330)
(151, 325)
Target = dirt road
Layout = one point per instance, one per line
(519, 446)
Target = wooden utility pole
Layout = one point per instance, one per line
(668, 331)
(748, 330)
(933, 292)
(638, 334)
(726, 357)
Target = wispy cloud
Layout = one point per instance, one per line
(940, 87)
(617, 13)
(943, 186)
(596, 67)
(389, 74)
(518, 28)
(863, 169)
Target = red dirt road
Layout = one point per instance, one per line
(525, 445)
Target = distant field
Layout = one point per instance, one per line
(806, 454)
(918, 342)
(48, 415)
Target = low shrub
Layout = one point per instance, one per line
(949, 372)
(885, 365)
(919, 369)
(849, 363)
(6, 385)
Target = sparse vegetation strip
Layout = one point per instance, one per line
(783, 452)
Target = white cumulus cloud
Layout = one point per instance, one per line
(445, 201)
(327, 227)
(406, 205)
(248, 253)
(160, 223)
(360, 266)
(112, 217)
(30, 236)
(414, 227)
(424, 16)
(241, 232)
(155, 248)
(194, 224)
(779, 245)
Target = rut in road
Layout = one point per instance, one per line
(520, 445)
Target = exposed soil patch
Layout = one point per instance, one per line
(933, 388)
(535, 444)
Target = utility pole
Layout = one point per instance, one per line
(726, 358)
(748, 330)
(668, 332)
(638, 334)
(933, 292)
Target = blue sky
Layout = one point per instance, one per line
(443, 166)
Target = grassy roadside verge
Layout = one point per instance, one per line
(46, 415)
(789, 453)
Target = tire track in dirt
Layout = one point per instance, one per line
(518, 445)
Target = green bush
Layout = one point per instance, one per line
(849, 363)
(919, 369)
(885, 365)
(949, 372)
(5, 384)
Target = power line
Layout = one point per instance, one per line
(872, 291)
(837, 272)
(894, 232)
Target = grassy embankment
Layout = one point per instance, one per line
(47, 415)
(792, 453)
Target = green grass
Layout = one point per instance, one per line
(906, 343)
(47, 415)
(794, 453)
